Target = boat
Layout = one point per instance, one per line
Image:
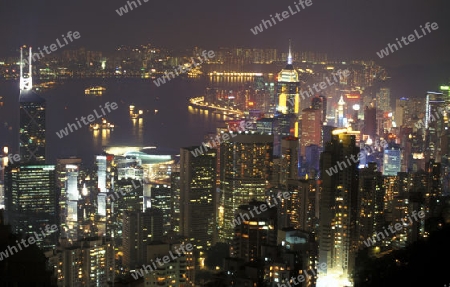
(104, 125)
(95, 90)
(135, 115)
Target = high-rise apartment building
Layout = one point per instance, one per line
(371, 194)
(246, 161)
(338, 203)
(90, 262)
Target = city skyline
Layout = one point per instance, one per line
(350, 21)
(294, 143)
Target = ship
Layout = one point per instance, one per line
(104, 125)
(95, 90)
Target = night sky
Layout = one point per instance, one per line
(344, 28)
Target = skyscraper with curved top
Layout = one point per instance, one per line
(288, 98)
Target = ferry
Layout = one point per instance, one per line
(95, 90)
(104, 125)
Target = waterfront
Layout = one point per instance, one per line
(167, 119)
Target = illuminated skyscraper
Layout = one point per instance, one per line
(288, 98)
(162, 199)
(320, 103)
(340, 115)
(392, 161)
(384, 100)
(88, 263)
(198, 188)
(32, 127)
(311, 129)
(31, 201)
(370, 203)
(338, 204)
(246, 161)
(435, 110)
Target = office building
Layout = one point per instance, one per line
(288, 98)
(311, 129)
(392, 160)
(31, 200)
(246, 161)
(383, 100)
(139, 229)
(197, 196)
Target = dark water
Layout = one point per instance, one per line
(174, 125)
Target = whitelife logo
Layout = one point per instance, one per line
(12, 159)
(398, 226)
(181, 69)
(124, 9)
(65, 132)
(284, 14)
(76, 35)
(166, 259)
(31, 240)
(218, 140)
(411, 38)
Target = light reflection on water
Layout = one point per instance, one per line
(167, 121)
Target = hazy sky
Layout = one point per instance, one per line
(345, 28)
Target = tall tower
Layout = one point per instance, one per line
(31, 200)
(311, 129)
(32, 128)
(288, 98)
(246, 168)
(338, 204)
(197, 195)
(384, 100)
(32, 117)
(340, 113)
(26, 81)
(370, 203)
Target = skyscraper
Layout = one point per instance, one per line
(392, 161)
(434, 123)
(288, 98)
(370, 203)
(246, 161)
(139, 229)
(384, 100)
(32, 127)
(338, 204)
(311, 129)
(31, 200)
(252, 234)
(198, 188)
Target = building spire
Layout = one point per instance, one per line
(289, 59)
